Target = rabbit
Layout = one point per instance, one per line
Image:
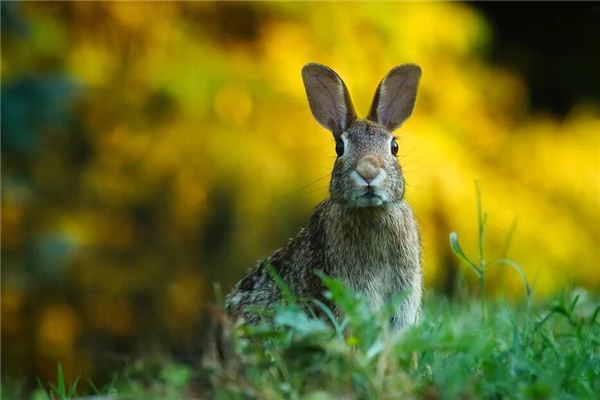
(365, 233)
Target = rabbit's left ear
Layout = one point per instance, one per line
(395, 96)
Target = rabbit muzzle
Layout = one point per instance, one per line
(369, 179)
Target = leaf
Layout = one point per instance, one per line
(93, 386)
(73, 387)
(353, 340)
(375, 350)
(540, 323)
(60, 381)
(262, 332)
(514, 265)
(327, 311)
(286, 292)
(574, 303)
(459, 252)
(594, 315)
(482, 220)
(299, 321)
(509, 238)
(339, 293)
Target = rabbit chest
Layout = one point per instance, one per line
(376, 251)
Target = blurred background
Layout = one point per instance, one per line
(150, 150)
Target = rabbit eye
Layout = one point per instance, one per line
(394, 147)
(339, 148)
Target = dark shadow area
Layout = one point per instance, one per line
(555, 46)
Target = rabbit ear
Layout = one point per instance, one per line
(395, 96)
(328, 98)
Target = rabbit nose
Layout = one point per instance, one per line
(368, 168)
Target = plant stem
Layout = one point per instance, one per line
(482, 295)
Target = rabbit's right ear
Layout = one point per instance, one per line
(328, 98)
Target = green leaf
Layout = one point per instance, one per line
(455, 246)
(375, 349)
(340, 294)
(262, 332)
(509, 238)
(299, 321)
(594, 315)
(482, 220)
(574, 303)
(329, 313)
(514, 265)
(60, 381)
(286, 292)
(73, 387)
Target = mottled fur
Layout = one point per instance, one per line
(365, 234)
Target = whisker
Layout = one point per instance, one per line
(418, 187)
(318, 189)
(422, 168)
(296, 191)
(414, 148)
(407, 162)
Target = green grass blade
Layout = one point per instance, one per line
(594, 316)
(509, 238)
(519, 269)
(218, 294)
(286, 292)
(73, 387)
(41, 387)
(94, 387)
(455, 246)
(60, 381)
(574, 303)
(327, 311)
(481, 222)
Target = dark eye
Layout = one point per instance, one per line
(339, 147)
(394, 147)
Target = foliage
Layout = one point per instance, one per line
(550, 351)
(151, 148)
(480, 267)
(458, 350)
(61, 389)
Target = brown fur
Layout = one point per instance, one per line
(365, 234)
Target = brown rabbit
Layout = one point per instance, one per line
(365, 233)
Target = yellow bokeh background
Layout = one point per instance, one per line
(189, 151)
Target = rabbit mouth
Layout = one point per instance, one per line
(369, 199)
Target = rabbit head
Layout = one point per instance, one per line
(366, 172)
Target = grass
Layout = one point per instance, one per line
(462, 349)
(550, 351)
(480, 266)
(540, 351)
(61, 389)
